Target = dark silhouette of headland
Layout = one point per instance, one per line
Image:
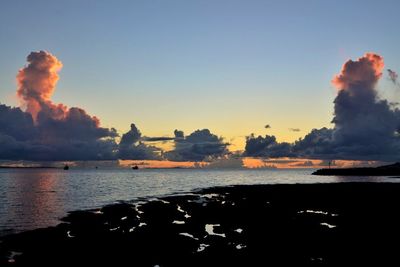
(386, 170)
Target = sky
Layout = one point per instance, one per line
(228, 66)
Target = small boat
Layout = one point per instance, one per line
(66, 167)
(135, 167)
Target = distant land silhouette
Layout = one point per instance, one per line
(386, 170)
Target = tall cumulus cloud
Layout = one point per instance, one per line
(131, 146)
(366, 127)
(43, 130)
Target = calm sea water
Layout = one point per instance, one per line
(33, 198)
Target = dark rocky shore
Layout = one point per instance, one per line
(259, 225)
(387, 170)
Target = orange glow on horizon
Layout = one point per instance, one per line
(252, 163)
(280, 163)
(154, 164)
(295, 163)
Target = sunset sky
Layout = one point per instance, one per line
(232, 67)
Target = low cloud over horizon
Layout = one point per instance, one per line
(365, 127)
(201, 145)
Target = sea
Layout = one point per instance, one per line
(37, 198)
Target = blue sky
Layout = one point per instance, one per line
(230, 66)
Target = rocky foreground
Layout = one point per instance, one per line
(276, 225)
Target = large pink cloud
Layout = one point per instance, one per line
(37, 83)
(362, 73)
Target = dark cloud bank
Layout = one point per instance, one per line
(199, 145)
(365, 126)
(42, 130)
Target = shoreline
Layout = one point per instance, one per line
(310, 224)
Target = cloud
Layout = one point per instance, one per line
(37, 82)
(294, 129)
(157, 139)
(365, 126)
(131, 147)
(16, 123)
(76, 137)
(393, 76)
(198, 146)
(316, 144)
(131, 137)
(42, 130)
(266, 147)
(179, 134)
(228, 162)
(62, 133)
(280, 161)
(139, 151)
(360, 76)
(307, 163)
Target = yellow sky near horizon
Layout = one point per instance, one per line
(235, 137)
